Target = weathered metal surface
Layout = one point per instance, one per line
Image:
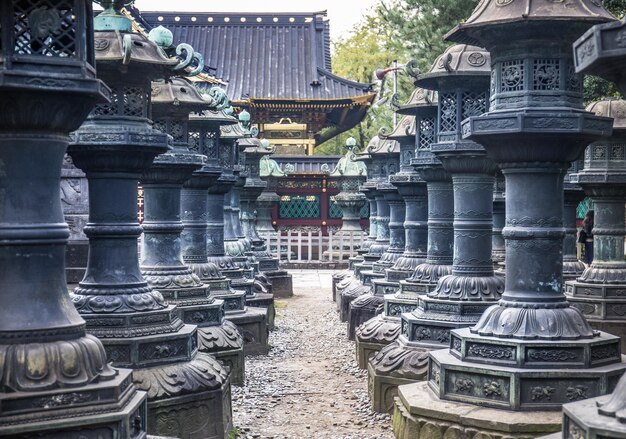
(56, 379)
(161, 253)
(138, 328)
(535, 127)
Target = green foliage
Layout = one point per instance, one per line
(418, 26)
(394, 30)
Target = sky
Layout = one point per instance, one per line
(343, 14)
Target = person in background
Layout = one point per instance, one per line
(587, 232)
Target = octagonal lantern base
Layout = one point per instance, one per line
(252, 324)
(581, 420)
(266, 301)
(362, 309)
(366, 277)
(282, 282)
(346, 297)
(419, 414)
(382, 286)
(206, 415)
(382, 389)
(106, 409)
(524, 375)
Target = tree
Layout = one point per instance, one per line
(418, 26)
(356, 57)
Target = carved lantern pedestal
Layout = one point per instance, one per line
(460, 76)
(138, 328)
(203, 233)
(383, 329)
(161, 256)
(56, 380)
(532, 351)
(265, 264)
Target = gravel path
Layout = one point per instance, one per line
(309, 385)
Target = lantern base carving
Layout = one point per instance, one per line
(103, 409)
(418, 414)
(524, 375)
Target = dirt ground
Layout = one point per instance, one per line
(309, 385)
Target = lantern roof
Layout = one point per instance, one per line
(179, 94)
(404, 129)
(615, 108)
(460, 61)
(493, 15)
(420, 98)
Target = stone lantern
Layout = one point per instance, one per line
(138, 328)
(252, 151)
(383, 329)
(56, 380)
(461, 77)
(203, 233)
(597, 292)
(380, 157)
(161, 254)
(532, 351)
(351, 174)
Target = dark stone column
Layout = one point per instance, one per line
(75, 203)
(460, 297)
(55, 379)
(161, 252)
(138, 328)
(497, 241)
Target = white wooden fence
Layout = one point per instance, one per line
(314, 246)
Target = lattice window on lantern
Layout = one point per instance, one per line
(599, 152)
(474, 104)
(574, 80)
(617, 152)
(135, 102)
(447, 113)
(512, 75)
(334, 211)
(546, 74)
(178, 131)
(108, 108)
(194, 141)
(45, 27)
(160, 125)
(209, 144)
(299, 207)
(426, 133)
